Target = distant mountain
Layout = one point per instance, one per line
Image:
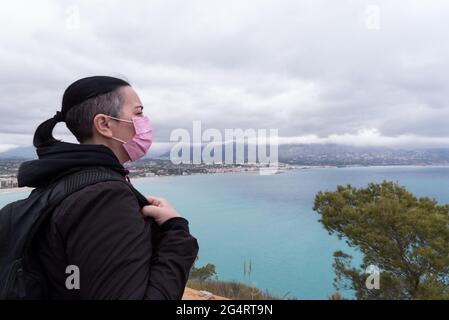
(28, 152)
(342, 155)
(309, 154)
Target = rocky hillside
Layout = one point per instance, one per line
(191, 294)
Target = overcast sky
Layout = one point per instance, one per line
(350, 72)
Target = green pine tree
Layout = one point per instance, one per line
(405, 237)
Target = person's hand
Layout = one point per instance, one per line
(159, 209)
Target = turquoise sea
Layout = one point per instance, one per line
(269, 220)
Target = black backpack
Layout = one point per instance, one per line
(21, 275)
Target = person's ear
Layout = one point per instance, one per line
(102, 124)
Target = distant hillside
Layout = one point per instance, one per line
(28, 152)
(310, 154)
(341, 155)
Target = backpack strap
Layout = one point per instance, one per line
(84, 177)
(77, 179)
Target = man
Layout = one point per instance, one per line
(101, 229)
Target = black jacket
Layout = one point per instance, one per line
(100, 230)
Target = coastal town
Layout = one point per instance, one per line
(8, 173)
(151, 168)
(290, 157)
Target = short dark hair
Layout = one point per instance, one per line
(89, 96)
(79, 119)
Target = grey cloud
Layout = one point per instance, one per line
(304, 67)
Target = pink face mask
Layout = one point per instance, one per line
(139, 145)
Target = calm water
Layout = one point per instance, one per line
(269, 219)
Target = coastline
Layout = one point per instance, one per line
(254, 171)
(16, 189)
(139, 178)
